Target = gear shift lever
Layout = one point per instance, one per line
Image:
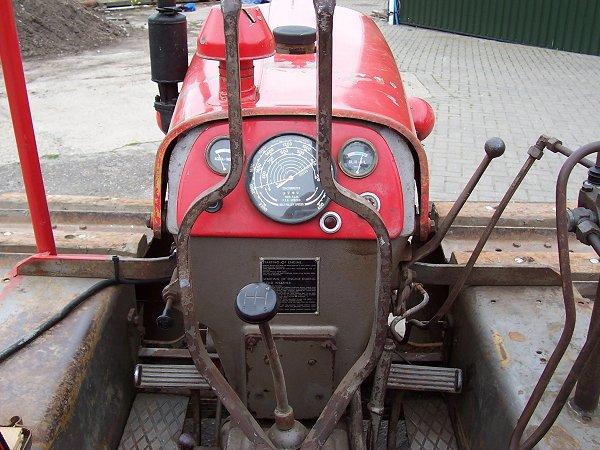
(257, 304)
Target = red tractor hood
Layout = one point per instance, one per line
(366, 81)
(366, 86)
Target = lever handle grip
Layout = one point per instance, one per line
(164, 321)
(494, 147)
(256, 303)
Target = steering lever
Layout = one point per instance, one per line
(257, 304)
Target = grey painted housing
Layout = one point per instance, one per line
(316, 349)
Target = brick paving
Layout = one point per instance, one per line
(482, 88)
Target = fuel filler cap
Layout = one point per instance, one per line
(295, 39)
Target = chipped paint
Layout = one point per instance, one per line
(559, 439)
(499, 344)
(516, 336)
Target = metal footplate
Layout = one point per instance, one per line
(428, 423)
(155, 422)
(425, 378)
(165, 376)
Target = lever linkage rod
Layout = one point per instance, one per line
(535, 153)
(494, 148)
(367, 361)
(239, 412)
(562, 237)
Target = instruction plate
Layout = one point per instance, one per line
(296, 282)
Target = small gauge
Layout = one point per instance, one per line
(358, 159)
(218, 156)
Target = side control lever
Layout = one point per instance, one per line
(257, 304)
(170, 295)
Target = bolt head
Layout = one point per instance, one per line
(494, 147)
(584, 229)
(535, 152)
(587, 186)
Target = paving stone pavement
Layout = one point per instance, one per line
(482, 88)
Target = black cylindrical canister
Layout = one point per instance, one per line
(167, 32)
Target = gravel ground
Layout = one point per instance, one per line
(59, 27)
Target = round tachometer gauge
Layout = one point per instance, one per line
(283, 182)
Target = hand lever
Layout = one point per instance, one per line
(165, 320)
(256, 304)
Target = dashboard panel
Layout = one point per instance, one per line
(265, 199)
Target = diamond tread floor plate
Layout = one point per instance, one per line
(428, 423)
(155, 422)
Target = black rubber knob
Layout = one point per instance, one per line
(164, 321)
(256, 303)
(494, 147)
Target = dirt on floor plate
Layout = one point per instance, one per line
(51, 27)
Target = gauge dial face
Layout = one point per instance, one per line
(283, 182)
(358, 159)
(218, 156)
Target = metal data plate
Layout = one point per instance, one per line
(296, 282)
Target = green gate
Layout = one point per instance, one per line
(571, 25)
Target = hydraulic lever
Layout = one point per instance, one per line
(494, 148)
(257, 304)
(534, 154)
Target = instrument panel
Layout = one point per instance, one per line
(280, 194)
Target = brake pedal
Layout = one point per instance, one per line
(425, 378)
(176, 376)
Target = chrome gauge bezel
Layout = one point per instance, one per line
(207, 155)
(254, 199)
(341, 159)
(373, 199)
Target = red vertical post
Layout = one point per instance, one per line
(16, 91)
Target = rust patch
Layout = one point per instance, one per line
(516, 336)
(559, 439)
(555, 327)
(499, 343)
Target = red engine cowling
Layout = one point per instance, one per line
(279, 97)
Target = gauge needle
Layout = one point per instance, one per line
(291, 177)
(219, 152)
(359, 164)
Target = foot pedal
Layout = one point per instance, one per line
(169, 376)
(428, 423)
(425, 378)
(155, 422)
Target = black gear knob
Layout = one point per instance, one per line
(164, 321)
(256, 303)
(494, 147)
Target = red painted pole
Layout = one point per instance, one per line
(16, 91)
